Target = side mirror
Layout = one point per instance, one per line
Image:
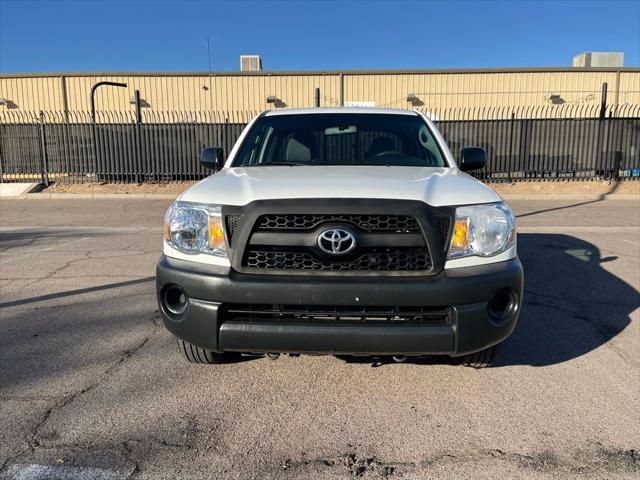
(472, 158)
(211, 158)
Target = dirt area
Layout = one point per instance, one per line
(123, 188)
(520, 188)
(568, 188)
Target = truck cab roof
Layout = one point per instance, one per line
(363, 110)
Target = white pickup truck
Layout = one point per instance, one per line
(346, 231)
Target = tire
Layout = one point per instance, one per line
(482, 359)
(195, 354)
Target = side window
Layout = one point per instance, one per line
(248, 156)
(266, 147)
(429, 144)
(257, 150)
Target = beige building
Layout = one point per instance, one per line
(188, 96)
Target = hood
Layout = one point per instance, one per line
(434, 186)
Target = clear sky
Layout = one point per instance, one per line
(160, 35)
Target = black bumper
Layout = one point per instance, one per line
(466, 291)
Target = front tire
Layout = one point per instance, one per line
(482, 359)
(195, 354)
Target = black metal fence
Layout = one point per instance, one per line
(520, 144)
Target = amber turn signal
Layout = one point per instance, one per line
(460, 233)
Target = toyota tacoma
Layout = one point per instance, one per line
(343, 231)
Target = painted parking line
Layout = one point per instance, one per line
(77, 229)
(577, 229)
(46, 472)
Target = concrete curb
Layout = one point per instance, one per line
(12, 190)
(171, 196)
(98, 196)
(571, 197)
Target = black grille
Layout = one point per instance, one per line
(387, 259)
(319, 314)
(232, 224)
(444, 224)
(368, 223)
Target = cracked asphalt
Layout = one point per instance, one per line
(93, 386)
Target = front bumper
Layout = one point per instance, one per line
(467, 291)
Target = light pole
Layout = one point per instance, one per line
(93, 91)
(93, 120)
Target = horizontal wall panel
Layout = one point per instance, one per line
(189, 96)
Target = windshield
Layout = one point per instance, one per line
(340, 139)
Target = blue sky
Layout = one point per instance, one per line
(169, 35)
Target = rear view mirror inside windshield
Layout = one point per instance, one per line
(340, 130)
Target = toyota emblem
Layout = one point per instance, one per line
(336, 241)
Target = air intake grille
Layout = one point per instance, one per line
(319, 314)
(388, 259)
(444, 224)
(232, 224)
(367, 223)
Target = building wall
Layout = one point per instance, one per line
(188, 94)
(481, 89)
(629, 91)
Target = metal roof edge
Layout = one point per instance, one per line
(267, 73)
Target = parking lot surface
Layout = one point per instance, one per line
(92, 385)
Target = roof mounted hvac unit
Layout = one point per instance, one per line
(250, 63)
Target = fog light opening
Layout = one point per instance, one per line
(502, 304)
(175, 300)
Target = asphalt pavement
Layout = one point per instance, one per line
(92, 386)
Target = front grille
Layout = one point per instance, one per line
(376, 260)
(231, 222)
(367, 223)
(409, 242)
(334, 314)
(444, 225)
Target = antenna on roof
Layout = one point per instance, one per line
(209, 53)
(208, 87)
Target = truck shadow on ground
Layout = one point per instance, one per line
(572, 305)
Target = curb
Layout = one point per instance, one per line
(572, 197)
(97, 196)
(13, 190)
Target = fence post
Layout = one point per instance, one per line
(525, 138)
(94, 135)
(1, 176)
(510, 161)
(225, 136)
(603, 100)
(601, 132)
(138, 140)
(617, 164)
(138, 108)
(43, 151)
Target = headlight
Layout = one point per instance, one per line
(482, 230)
(195, 228)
